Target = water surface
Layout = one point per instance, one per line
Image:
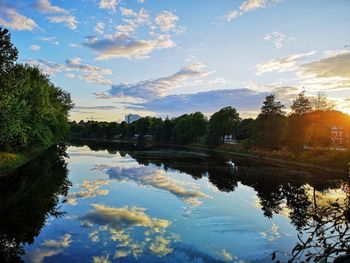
(124, 204)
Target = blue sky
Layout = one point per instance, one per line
(171, 57)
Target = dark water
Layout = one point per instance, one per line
(117, 203)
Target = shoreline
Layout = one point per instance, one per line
(230, 152)
(20, 160)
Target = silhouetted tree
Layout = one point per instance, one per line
(224, 122)
(269, 127)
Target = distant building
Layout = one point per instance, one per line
(337, 136)
(130, 118)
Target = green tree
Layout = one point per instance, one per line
(189, 128)
(224, 122)
(301, 105)
(8, 53)
(33, 112)
(298, 122)
(272, 107)
(244, 130)
(269, 126)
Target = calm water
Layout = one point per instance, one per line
(83, 204)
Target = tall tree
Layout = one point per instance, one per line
(224, 122)
(33, 112)
(272, 107)
(298, 122)
(322, 103)
(8, 53)
(269, 127)
(301, 105)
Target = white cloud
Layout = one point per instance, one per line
(86, 72)
(63, 242)
(89, 189)
(75, 45)
(227, 256)
(51, 40)
(120, 218)
(132, 21)
(329, 73)
(101, 259)
(166, 21)
(272, 234)
(333, 65)
(127, 12)
(288, 63)
(109, 4)
(46, 7)
(35, 47)
(50, 248)
(152, 89)
(62, 15)
(15, 20)
(121, 47)
(248, 6)
(232, 14)
(218, 81)
(276, 38)
(156, 178)
(99, 28)
(247, 101)
(69, 20)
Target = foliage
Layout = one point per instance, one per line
(189, 128)
(269, 127)
(28, 198)
(33, 112)
(222, 123)
(8, 53)
(301, 105)
(298, 133)
(326, 235)
(321, 102)
(272, 107)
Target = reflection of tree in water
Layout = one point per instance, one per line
(279, 189)
(326, 234)
(28, 197)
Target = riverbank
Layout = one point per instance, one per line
(329, 161)
(9, 162)
(321, 159)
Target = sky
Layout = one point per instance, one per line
(166, 57)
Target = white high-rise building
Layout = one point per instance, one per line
(131, 118)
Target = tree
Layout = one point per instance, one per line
(269, 127)
(298, 122)
(166, 134)
(245, 129)
(189, 128)
(224, 122)
(301, 105)
(322, 103)
(272, 107)
(142, 126)
(33, 112)
(8, 53)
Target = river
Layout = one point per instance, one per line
(120, 203)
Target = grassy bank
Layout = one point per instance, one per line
(314, 157)
(11, 161)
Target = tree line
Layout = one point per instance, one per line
(309, 123)
(33, 111)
